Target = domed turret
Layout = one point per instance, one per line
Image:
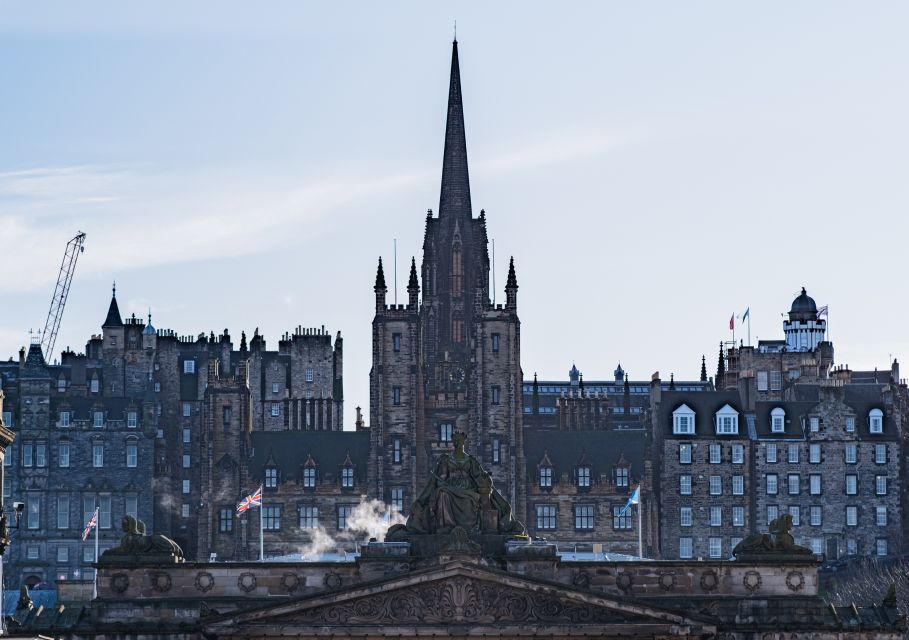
(804, 330)
(574, 375)
(803, 308)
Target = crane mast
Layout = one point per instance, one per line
(64, 279)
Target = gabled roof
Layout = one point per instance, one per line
(291, 450)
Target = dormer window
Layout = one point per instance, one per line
(683, 421)
(727, 421)
(584, 477)
(94, 385)
(621, 476)
(61, 385)
(271, 477)
(98, 419)
(545, 477)
(64, 418)
(778, 420)
(309, 477)
(347, 477)
(132, 419)
(876, 421)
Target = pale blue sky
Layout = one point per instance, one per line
(652, 167)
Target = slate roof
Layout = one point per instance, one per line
(601, 450)
(288, 450)
(704, 405)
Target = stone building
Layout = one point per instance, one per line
(448, 360)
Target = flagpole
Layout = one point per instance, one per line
(262, 531)
(97, 527)
(640, 529)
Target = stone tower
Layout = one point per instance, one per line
(449, 361)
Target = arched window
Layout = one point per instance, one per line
(778, 420)
(876, 421)
(456, 271)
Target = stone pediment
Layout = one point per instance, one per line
(456, 599)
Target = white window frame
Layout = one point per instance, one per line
(737, 454)
(683, 421)
(738, 485)
(771, 452)
(778, 420)
(132, 419)
(189, 366)
(762, 381)
(875, 421)
(715, 453)
(850, 453)
(814, 453)
(880, 516)
(686, 516)
(727, 421)
(685, 484)
(880, 453)
(686, 548)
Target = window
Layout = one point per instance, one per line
(456, 271)
(271, 477)
(88, 508)
(396, 395)
(584, 477)
(880, 546)
(621, 476)
(814, 453)
(778, 420)
(850, 424)
(186, 486)
(796, 514)
(396, 342)
(64, 418)
(132, 506)
(716, 516)
(715, 547)
(63, 512)
(31, 552)
(685, 485)
(738, 454)
(851, 516)
(851, 484)
(309, 517)
(880, 516)
(545, 477)
(397, 499)
(772, 484)
(94, 386)
(793, 454)
(715, 454)
(104, 518)
(495, 343)
(275, 409)
(33, 506)
(880, 485)
(621, 520)
(189, 366)
(727, 421)
(683, 421)
(186, 435)
(738, 516)
(496, 451)
(817, 546)
(40, 454)
(686, 548)
(762, 381)
(816, 517)
(445, 432)
(814, 424)
(187, 409)
(132, 419)
(28, 454)
(396, 451)
(776, 380)
(344, 511)
(851, 546)
(8, 418)
(157, 387)
(186, 461)
(97, 455)
(738, 485)
(132, 454)
(309, 477)
(793, 482)
(225, 520)
(457, 327)
(880, 454)
(685, 516)
(62, 554)
(716, 485)
(773, 512)
(98, 419)
(347, 477)
(814, 484)
(308, 375)
(271, 518)
(88, 555)
(771, 452)
(685, 453)
(876, 421)
(496, 395)
(546, 516)
(851, 453)
(583, 516)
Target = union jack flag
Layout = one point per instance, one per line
(91, 525)
(255, 500)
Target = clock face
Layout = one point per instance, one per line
(457, 375)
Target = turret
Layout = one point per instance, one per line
(720, 369)
(703, 368)
(511, 288)
(413, 286)
(380, 289)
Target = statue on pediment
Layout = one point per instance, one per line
(778, 542)
(135, 542)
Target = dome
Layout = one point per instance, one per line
(149, 329)
(803, 307)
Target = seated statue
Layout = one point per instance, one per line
(778, 541)
(136, 542)
(459, 494)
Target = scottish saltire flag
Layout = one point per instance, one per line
(634, 498)
(91, 525)
(255, 500)
(822, 312)
(745, 315)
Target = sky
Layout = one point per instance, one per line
(653, 168)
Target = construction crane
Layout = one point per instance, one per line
(64, 279)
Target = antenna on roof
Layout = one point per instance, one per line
(396, 271)
(493, 272)
(455, 30)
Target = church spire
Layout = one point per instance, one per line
(455, 196)
(113, 311)
(703, 368)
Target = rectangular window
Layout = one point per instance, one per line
(104, 518)
(796, 514)
(88, 555)
(309, 477)
(308, 374)
(271, 518)
(132, 419)
(762, 381)
(814, 484)
(157, 387)
(716, 485)
(715, 547)
(271, 477)
(186, 486)
(851, 453)
(8, 418)
(685, 453)
(545, 476)
(793, 482)
(793, 454)
(397, 499)
(880, 485)
(187, 409)
(584, 477)
(63, 512)
(851, 484)
(189, 366)
(64, 418)
(546, 516)
(396, 342)
(94, 386)
(40, 454)
(97, 419)
(186, 435)
(816, 515)
(880, 454)
(851, 516)
(456, 330)
(344, 511)
(583, 517)
(850, 424)
(225, 520)
(33, 506)
(851, 546)
(738, 454)
(88, 509)
(880, 546)
(396, 395)
(727, 425)
(309, 517)
(62, 555)
(773, 512)
(814, 453)
(275, 409)
(817, 546)
(31, 552)
(445, 432)
(683, 424)
(716, 516)
(685, 485)
(276, 387)
(495, 343)
(685, 516)
(814, 424)
(496, 395)
(880, 516)
(97, 455)
(738, 516)
(496, 451)
(771, 452)
(715, 454)
(184, 510)
(132, 455)
(620, 520)
(738, 485)
(186, 461)
(772, 484)
(621, 476)
(132, 506)
(396, 451)
(686, 548)
(776, 380)
(876, 424)
(226, 413)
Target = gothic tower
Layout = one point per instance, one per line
(450, 362)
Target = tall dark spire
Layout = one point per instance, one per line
(512, 281)
(380, 278)
(113, 311)
(720, 367)
(455, 196)
(413, 283)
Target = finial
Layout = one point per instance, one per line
(114, 290)
(149, 315)
(455, 30)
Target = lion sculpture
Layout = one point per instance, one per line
(136, 542)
